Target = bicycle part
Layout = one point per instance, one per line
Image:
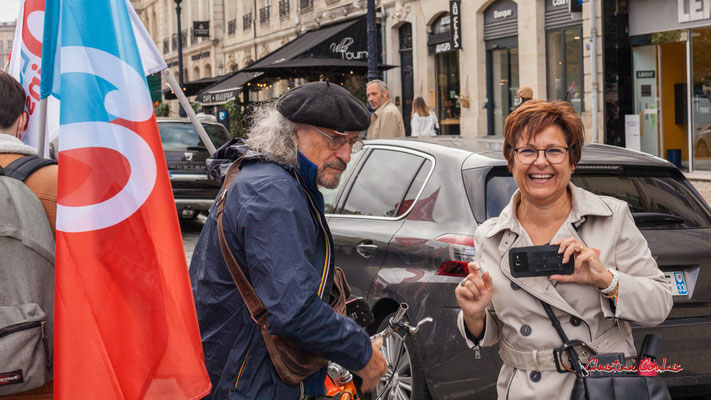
(339, 375)
(407, 381)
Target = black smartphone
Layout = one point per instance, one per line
(539, 261)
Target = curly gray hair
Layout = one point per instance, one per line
(273, 136)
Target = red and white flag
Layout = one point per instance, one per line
(25, 66)
(125, 324)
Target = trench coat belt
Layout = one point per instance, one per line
(542, 360)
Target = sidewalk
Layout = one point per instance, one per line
(702, 184)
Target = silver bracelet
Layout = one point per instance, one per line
(613, 284)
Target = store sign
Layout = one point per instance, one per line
(645, 74)
(456, 27)
(218, 98)
(693, 10)
(343, 48)
(503, 13)
(443, 47)
(201, 29)
(204, 54)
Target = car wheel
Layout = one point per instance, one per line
(406, 380)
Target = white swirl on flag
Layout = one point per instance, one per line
(130, 101)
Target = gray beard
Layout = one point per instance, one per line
(332, 183)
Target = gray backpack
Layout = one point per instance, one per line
(26, 283)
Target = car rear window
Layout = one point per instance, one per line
(658, 198)
(183, 136)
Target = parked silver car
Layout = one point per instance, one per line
(403, 219)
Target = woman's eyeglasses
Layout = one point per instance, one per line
(336, 142)
(554, 154)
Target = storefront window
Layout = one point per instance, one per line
(701, 56)
(565, 66)
(448, 111)
(504, 75)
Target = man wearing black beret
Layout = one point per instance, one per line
(275, 227)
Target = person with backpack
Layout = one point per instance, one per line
(13, 121)
(28, 194)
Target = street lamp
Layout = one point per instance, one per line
(181, 112)
(372, 46)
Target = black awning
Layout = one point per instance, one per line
(192, 88)
(342, 47)
(228, 88)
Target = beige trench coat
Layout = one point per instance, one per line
(517, 320)
(386, 122)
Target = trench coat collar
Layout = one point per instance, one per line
(382, 108)
(584, 204)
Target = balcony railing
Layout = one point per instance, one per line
(174, 41)
(283, 8)
(264, 14)
(166, 46)
(184, 38)
(193, 38)
(231, 26)
(247, 22)
(306, 4)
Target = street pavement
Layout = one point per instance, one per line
(191, 230)
(704, 187)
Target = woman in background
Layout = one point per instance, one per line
(424, 122)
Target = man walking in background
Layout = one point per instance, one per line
(386, 121)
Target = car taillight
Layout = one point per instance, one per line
(461, 253)
(453, 268)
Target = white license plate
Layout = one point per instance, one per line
(678, 283)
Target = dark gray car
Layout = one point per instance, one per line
(403, 219)
(185, 154)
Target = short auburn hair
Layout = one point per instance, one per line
(533, 116)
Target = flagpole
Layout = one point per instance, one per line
(189, 110)
(43, 126)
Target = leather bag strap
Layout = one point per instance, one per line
(255, 306)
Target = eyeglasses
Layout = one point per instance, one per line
(336, 142)
(554, 154)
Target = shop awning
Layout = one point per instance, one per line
(338, 48)
(226, 89)
(192, 88)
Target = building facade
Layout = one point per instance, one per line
(7, 34)
(240, 32)
(503, 45)
(467, 59)
(670, 44)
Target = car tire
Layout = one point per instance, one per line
(410, 384)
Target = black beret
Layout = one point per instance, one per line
(324, 104)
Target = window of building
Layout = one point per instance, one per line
(446, 75)
(565, 65)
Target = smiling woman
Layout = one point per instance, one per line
(543, 142)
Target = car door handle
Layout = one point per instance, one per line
(367, 249)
